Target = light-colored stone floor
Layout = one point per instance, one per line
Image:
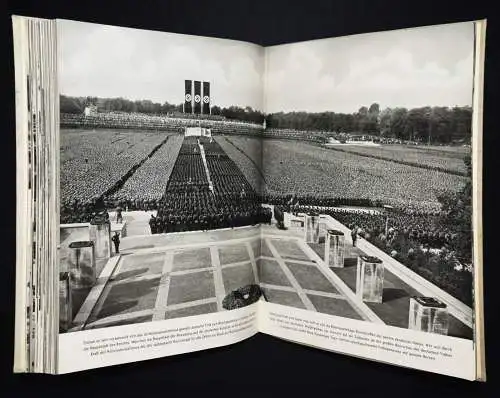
(167, 276)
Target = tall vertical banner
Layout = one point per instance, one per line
(188, 96)
(206, 98)
(197, 97)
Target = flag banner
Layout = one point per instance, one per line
(197, 97)
(188, 96)
(206, 98)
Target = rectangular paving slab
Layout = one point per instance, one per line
(310, 277)
(233, 253)
(257, 247)
(270, 272)
(289, 249)
(265, 251)
(191, 287)
(290, 299)
(191, 259)
(128, 321)
(129, 297)
(191, 311)
(139, 265)
(236, 277)
(333, 306)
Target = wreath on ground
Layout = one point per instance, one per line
(242, 297)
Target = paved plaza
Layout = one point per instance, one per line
(157, 277)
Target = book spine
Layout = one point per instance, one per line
(23, 216)
(37, 129)
(477, 197)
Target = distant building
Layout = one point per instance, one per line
(90, 110)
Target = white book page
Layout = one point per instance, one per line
(130, 102)
(352, 124)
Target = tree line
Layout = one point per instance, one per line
(424, 124)
(77, 105)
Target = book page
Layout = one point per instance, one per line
(367, 162)
(160, 182)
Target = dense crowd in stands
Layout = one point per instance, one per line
(142, 121)
(292, 134)
(313, 200)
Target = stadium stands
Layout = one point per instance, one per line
(123, 120)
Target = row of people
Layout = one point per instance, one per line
(144, 121)
(168, 220)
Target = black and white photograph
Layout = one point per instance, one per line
(160, 177)
(201, 175)
(367, 158)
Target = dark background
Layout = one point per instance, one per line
(262, 365)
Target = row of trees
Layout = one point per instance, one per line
(424, 124)
(78, 104)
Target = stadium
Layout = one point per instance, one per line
(168, 214)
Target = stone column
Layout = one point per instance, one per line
(65, 302)
(334, 248)
(311, 228)
(428, 314)
(81, 264)
(100, 235)
(370, 279)
(287, 220)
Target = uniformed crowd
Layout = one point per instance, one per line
(320, 201)
(205, 211)
(190, 203)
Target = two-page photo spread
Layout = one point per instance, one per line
(324, 192)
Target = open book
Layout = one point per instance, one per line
(177, 193)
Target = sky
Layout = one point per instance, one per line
(402, 68)
(107, 61)
(411, 68)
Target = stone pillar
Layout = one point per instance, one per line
(427, 314)
(298, 220)
(370, 279)
(100, 235)
(81, 264)
(311, 228)
(334, 248)
(287, 220)
(65, 302)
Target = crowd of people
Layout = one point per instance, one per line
(143, 121)
(319, 201)
(149, 180)
(92, 164)
(191, 203)
(293, 134)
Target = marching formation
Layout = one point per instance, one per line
(189, 202)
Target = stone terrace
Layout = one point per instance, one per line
(168, 276)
